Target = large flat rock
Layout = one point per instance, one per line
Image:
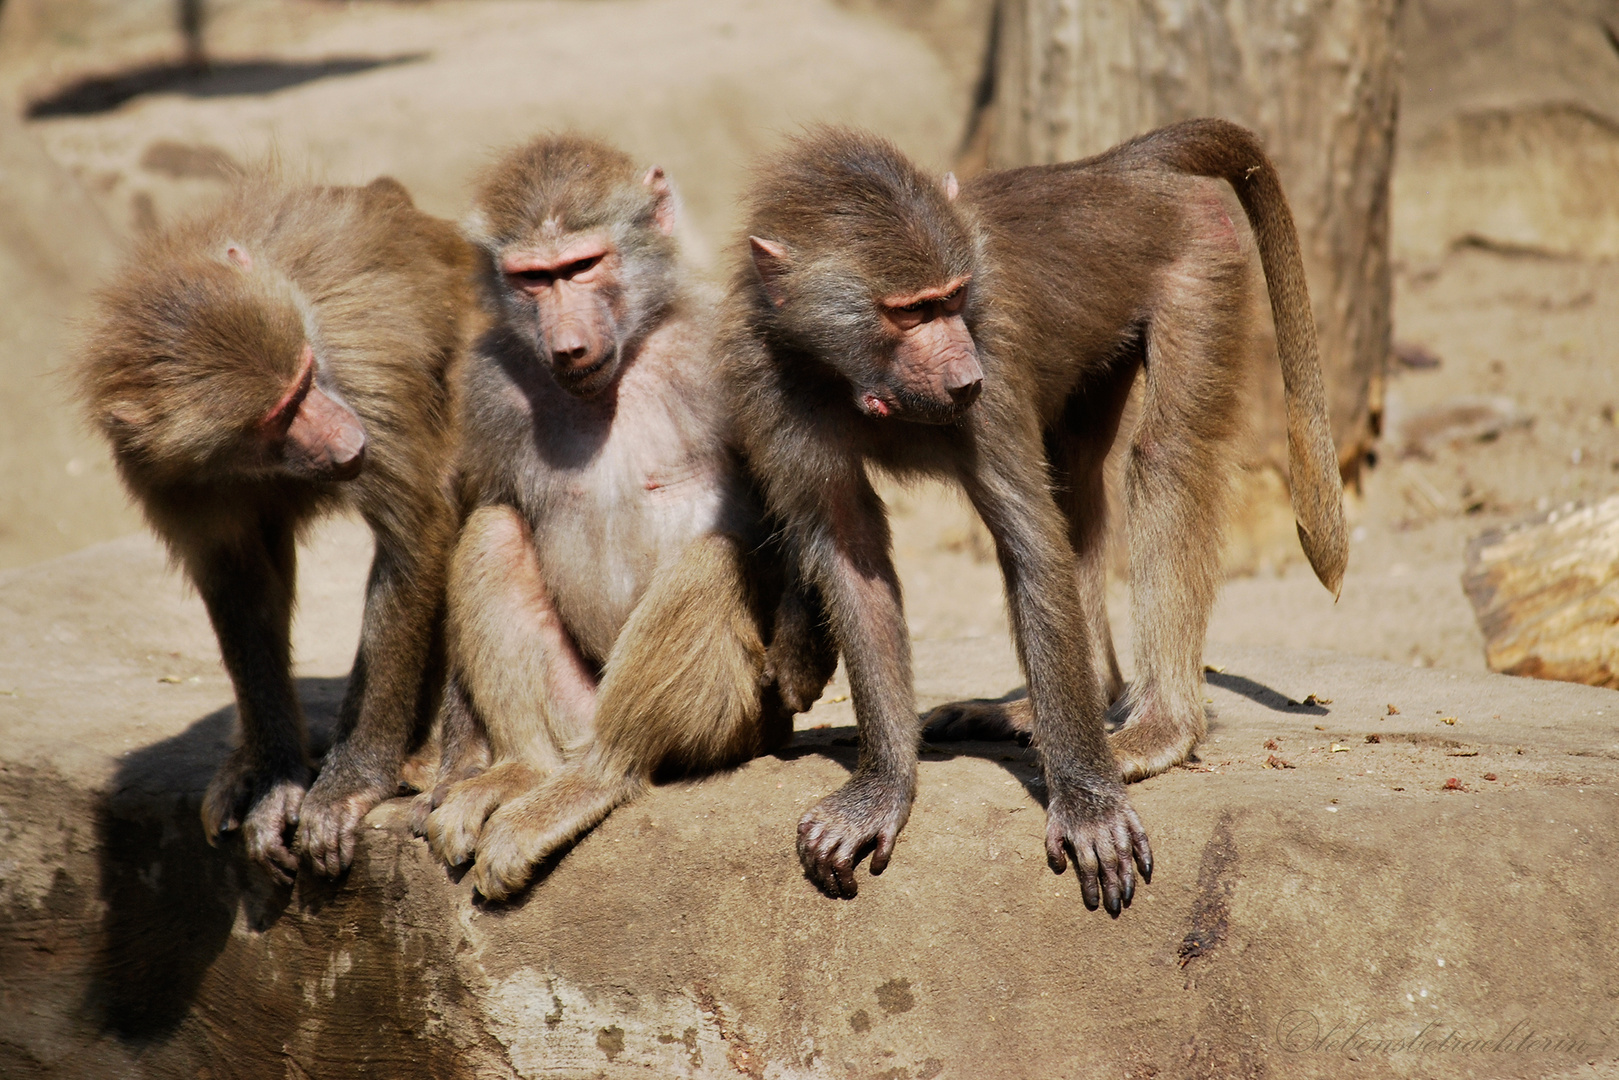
(1380, 909)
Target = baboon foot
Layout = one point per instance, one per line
(430, 799)
(456, 820)
(534, 826)
(1152, 740)
(980, 720)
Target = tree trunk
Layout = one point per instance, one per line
(1316, 79)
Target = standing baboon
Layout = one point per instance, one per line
(613, 591)
(878, 305)
(288, 354)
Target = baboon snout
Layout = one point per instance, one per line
(575, 348)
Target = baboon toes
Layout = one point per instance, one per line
(453, 830)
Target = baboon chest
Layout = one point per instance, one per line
(638, 480)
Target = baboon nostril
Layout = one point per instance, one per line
(966, 395)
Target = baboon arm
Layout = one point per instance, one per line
(509, 647)
(847, 554)
(388, 698)
(248, 591)
(1089, 816)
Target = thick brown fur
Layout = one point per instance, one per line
(198, 338)
(616, 609)
(1079, 277)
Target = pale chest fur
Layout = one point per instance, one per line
(621, 485)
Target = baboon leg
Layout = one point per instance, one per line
(520, 693)
(463, 753)
(1177, 482)
(515, 660)
(1077, 450)
(681, 690)
(248, 590)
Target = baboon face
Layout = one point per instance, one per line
(933, 375)
(569, 297)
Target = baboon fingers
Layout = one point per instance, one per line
(326, 831)
(265, 830)
(1102, 833)
(864, 815)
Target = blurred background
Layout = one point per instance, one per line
(1453, 165)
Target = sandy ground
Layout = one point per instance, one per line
(427, 91)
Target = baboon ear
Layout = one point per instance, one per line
(770, 259)
(664, 192)
(951, 188)
(237, 254)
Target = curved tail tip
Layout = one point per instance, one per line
(1328, 559)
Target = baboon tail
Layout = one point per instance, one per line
(1230, 152)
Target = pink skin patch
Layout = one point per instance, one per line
(279, 418)
(874, 405)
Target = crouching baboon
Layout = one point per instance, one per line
(287, 354)
(879, 305)
(615, 610)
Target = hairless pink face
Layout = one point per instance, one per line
(314, 434)
(935, 363)
(573, 288)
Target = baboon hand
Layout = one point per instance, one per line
(866, 814)
(331, 817)
(265, 809)
(980, 719)
(1098, 827)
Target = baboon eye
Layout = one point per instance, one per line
(573, 269)
(532, 277)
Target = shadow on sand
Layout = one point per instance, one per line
(104, 93)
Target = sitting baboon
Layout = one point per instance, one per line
(616, 608)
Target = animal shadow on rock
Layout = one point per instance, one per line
(170, 899)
